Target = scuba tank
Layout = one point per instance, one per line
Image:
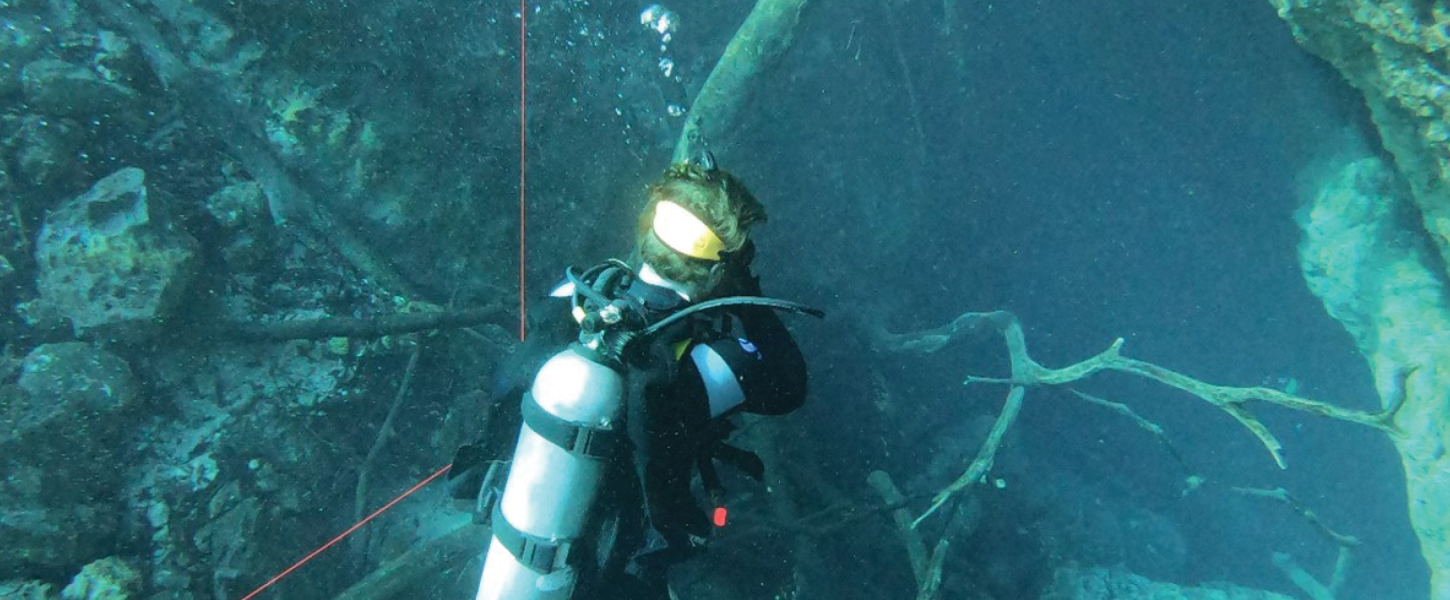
(546, 530)
(572, 419)
(572, 429)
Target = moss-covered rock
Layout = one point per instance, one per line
(69, 381)
(104, 261)
(12, 236)
(21, 40)
(107, 579)
(242, 211)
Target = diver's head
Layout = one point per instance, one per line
(695, 227)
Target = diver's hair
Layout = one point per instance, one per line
(718, 198)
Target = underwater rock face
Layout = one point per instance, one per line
(104, 261)
(242, 211)
(12, 239)
(57, 88)
(26, 590)
(1364, 256)
(1379, 276)
(26, 34)
(1393, 51)
(58, 467)
(68, 381)
(1114, 584)
(47, 150)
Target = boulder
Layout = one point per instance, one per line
(59, 466)
(26, 34)
(1378, 273)
(73, 385)
(12, 235)
(105, 262)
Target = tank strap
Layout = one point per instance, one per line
(540, 555)
(575, 438)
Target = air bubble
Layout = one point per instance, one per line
(660, 19)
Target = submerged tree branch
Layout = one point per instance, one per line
(1282, 495)
(385, 433)
(1305, 581)
(765, 35)
(372, 327)
(1193, 480)
(1026, 372)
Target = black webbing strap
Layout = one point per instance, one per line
(576, 438)
(537, 553)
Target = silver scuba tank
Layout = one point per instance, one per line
(572, 426)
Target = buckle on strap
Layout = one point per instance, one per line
(575, 438)
(540, 555)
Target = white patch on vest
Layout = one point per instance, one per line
(720, 383)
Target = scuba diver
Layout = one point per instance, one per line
(627, 383)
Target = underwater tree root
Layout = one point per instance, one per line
(1026, 372)
(910, 537)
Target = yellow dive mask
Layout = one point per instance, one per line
(684, 232)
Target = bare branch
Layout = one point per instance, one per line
(1282, 495)
(986, 455)
(1149, 426)
(328, 327)
(1028, 373)
(910, 537)
(385, 432)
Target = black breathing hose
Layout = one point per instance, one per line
(761, 301)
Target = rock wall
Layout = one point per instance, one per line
(1394, 51)
(1364, 256)
(1376, 250)
(62, 457)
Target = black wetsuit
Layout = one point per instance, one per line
(672, 424)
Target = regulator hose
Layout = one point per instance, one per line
(761, 301)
